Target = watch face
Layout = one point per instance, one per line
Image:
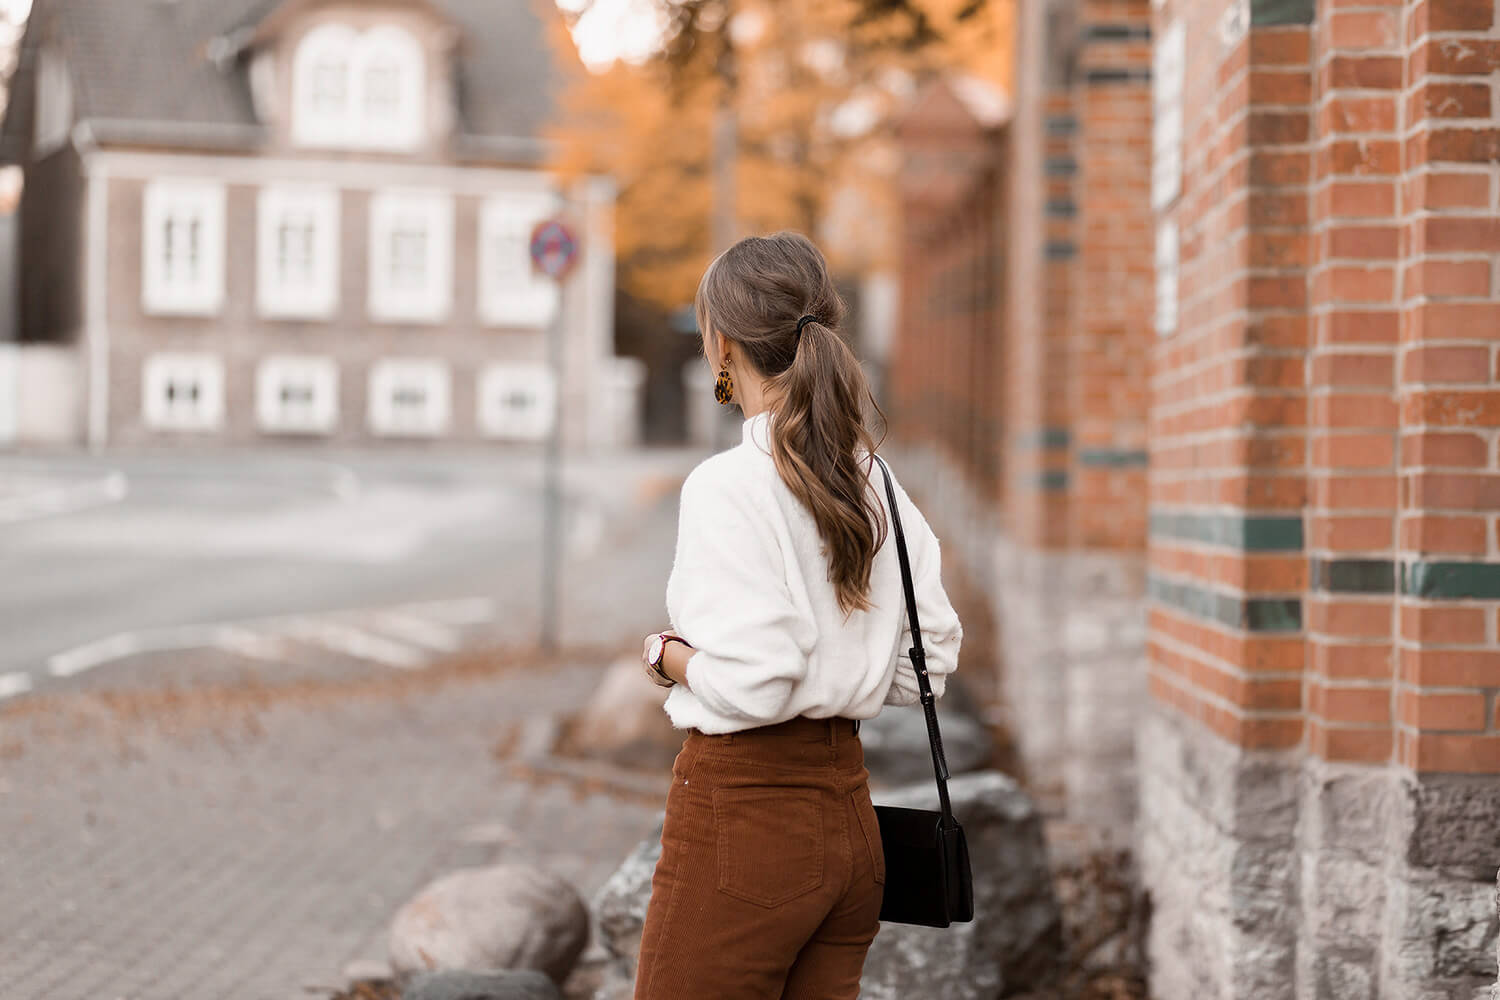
(657, 646)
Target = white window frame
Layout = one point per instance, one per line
(388, 376)
(388, 300)
(511, 293)
(159, 371)
(319, 374)
(498, 381)
(200, 200)
(356, 125)
(318, 297)
(403, 130)
(327, 44)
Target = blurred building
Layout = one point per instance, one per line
(1199, 351)
(255, 219)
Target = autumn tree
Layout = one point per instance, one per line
(812, 85)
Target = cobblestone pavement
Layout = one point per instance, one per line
(182, 832)
(236, 851)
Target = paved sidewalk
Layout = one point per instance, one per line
(225, 851)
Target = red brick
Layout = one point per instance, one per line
(1445, 535)
(1366, 29)
(1362, 73)
(1436, 99)
(1359, 199)
(1352, 533)
(1447, 279)
(1450, 234)
(1447, 320)
(1355, 285)
(1446, 711)
(1459, 15)
(1456, 145)
(1367, 370)
(1360, 746)
(1365, 326)
(1357, 114)
(1452, 491)
(1442, 624)
(1435, 753)
(1354, 451)
(1360, 243)
(1451, 667)
(1453, 408)
(1354, 410)
(1359, 704)
(1455, 56)
(1348, 619)
(1348, 661)
(1446, 364)
(1278, 128)
(1444, 450)
(1360, 157)
(1437, 190)
(1362, 492)
(1282, 87)
(1285, 47)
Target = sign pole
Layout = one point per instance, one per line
(554, 251)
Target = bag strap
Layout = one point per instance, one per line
(919, 657)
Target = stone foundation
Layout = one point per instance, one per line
(1279, 876)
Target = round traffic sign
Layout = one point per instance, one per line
(554, 251)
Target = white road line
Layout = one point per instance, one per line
(244, 642)
(418, 631)
(91, 655)
(14, 684)
(462, 611)
(64, 499)
(360, 644)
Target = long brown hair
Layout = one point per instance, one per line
(753, 294)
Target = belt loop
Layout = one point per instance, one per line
(833, 730)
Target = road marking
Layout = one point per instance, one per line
(14, 684)
(360, 644)
(64, 499)
(418, 631)
(265, 638)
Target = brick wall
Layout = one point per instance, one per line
(1307, 570)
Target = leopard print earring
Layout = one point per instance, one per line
(724, 387)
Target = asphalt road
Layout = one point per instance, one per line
(104, 555)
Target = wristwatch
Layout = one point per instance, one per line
(658, 650)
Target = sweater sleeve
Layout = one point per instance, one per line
(727, 596)
(942, 632)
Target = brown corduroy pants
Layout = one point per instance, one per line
(771, 873)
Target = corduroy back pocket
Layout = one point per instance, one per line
(770, 842)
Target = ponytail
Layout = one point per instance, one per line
(759, 294)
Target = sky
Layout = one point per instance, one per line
(608, 29)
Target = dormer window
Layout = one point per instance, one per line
(358, 90)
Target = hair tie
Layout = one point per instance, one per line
(803, 322)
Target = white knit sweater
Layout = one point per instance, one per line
(749, 589)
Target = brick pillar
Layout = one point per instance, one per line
(1217, 753)
(1109, 336)
(1447, 788)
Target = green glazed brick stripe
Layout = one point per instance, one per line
(1044, 438)
(1353, 576)
(1114, 458)
(1249, 533)
(1052, 480)
(1452, 581)
(1272, 12)
(1250, 614)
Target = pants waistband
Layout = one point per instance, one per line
(799, 728)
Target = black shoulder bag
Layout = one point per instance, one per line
(927, 877)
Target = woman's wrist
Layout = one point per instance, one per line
(674, 657)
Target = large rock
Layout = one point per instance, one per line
(898, 752)
(625, 721)
(509, 916)
(523, 985)
(1015, 938)
(1012, 944)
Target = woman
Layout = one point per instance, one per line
(789, 627)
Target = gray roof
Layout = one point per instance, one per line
(144, 65)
